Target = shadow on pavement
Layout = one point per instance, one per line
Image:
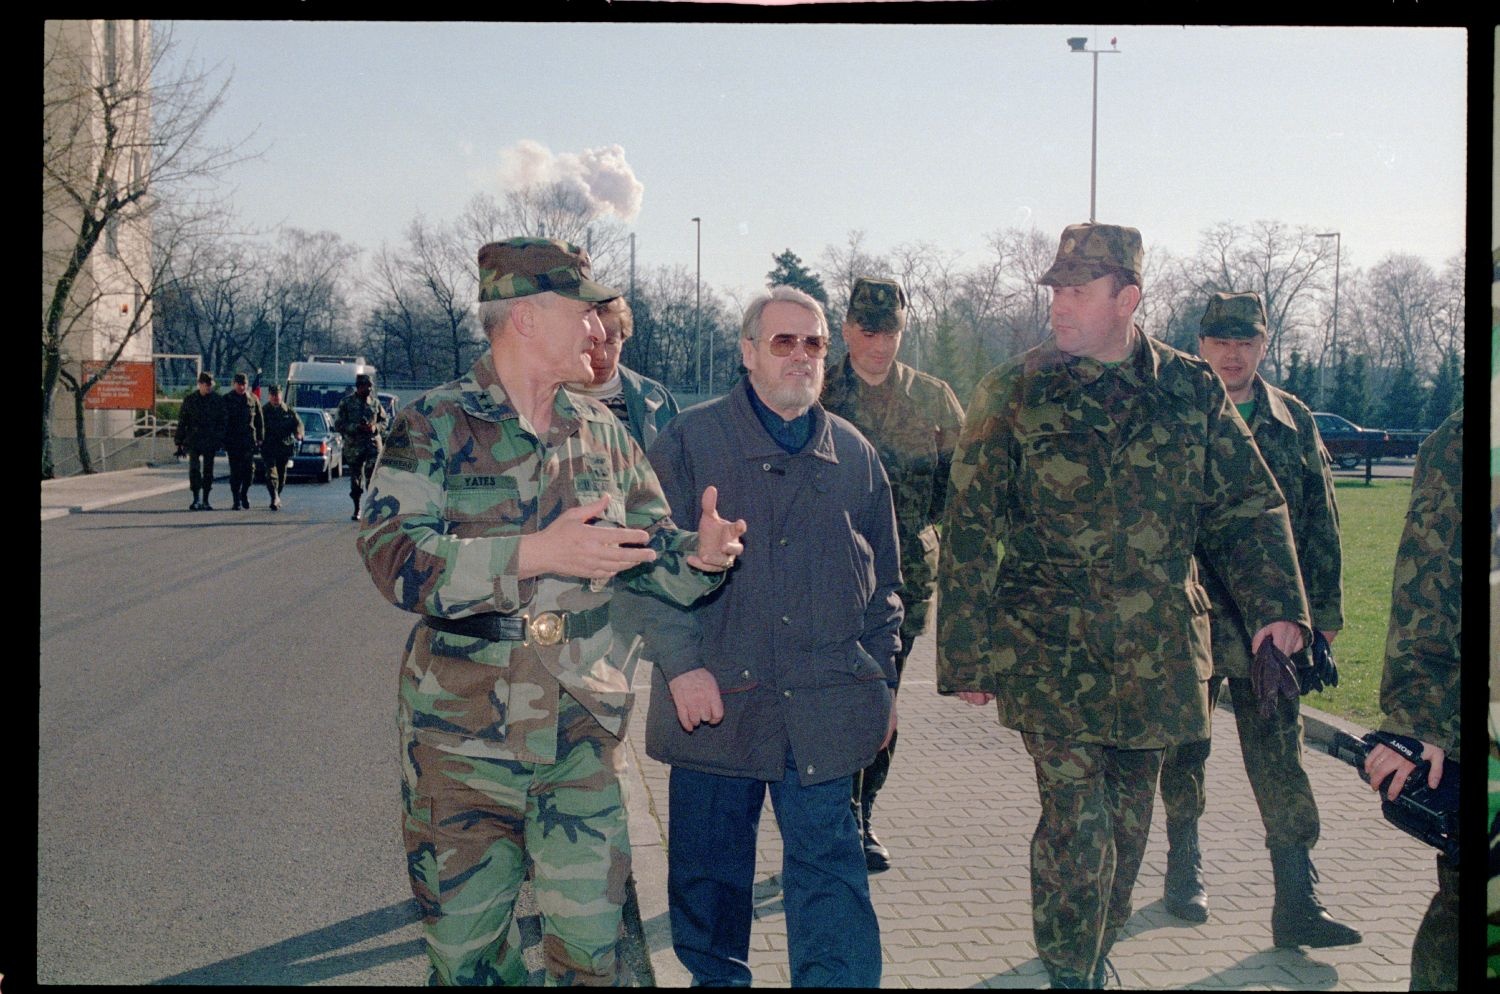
(306, 959)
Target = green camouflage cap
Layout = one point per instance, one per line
(1233, 315)
(363, 380)
(519, 267)
(1089, 251)
(877, 305)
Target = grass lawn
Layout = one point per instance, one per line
(1370, 518)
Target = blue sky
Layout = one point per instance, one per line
(792, 135)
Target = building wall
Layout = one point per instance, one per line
(79, 55)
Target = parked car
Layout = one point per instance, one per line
(1348, 444)
(389, 401)
(321, 453)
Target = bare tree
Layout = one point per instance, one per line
(122, 134)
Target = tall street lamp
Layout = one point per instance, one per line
(1081, 45)
(1338, 244)
(698, 312)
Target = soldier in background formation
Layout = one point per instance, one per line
(362, 422)
(1089, 471)
(913, 420)
(244, 430)
(503, 511)
(200, 432)
(283, 433)
(1232, 338)
(1420, 689)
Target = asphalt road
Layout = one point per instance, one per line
(217, 749)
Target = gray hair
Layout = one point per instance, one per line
(750, 326)
(494, 313)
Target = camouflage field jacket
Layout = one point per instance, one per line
(913, 420)
(1289, 443)
(462, 479)
(1067, 584)
(1419, 691)
(354, 411)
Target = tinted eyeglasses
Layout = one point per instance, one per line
(814, 345)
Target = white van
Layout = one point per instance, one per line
(324, 380)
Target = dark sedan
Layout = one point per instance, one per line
(321, 453)
(1348, 444)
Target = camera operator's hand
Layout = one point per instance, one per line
(1384, 763)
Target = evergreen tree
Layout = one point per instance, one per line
(1299, 379)
(1349, 387)
(1447, 393)
(789, 271)
(1403, 402)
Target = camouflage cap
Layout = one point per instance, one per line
(877, 305)
(519, 267)
(363, 380)
(1089, 251)
(1233, 315)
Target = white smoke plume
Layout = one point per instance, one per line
(600, 175)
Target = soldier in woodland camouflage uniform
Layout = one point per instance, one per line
(510, 716)
(913, 420)
(362, 422)
(1420, 689)
(1089, 470)
(283, 432)
(1232, 338)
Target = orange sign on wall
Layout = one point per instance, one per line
(128, 386)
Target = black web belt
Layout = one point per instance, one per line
(547, 628)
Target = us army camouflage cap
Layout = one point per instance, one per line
(877, 304)
(1089, 251)
(1234, 315)
(363, 380)
(519, 267)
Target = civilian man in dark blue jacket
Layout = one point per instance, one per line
(783, 678)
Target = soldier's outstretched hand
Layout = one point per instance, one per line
(571, 546)
(718, 540)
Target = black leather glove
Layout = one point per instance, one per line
(1272, 674)
(1316, 668)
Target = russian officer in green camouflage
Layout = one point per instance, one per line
(503, 510)
(1232, 338)
(362, 422)
(1420, 689)
(913, 420)
(1089, 470)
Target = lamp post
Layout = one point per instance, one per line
(698, 310)
(1081, 45)
(1338, 244)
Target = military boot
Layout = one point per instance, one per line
(1059, 979)
(1299, 918)
(196, 505)
(877, 856)
(204, 505)
(1184, 894)
(355, 515)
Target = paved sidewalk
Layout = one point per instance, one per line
(958, 812)
(87, 492)
(955, 910)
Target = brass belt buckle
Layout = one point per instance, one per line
(545, 629)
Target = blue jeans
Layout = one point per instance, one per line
(833, 939)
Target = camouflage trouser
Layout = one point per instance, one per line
(867, 785)
(1434, 954)
(1088, 845)
(1272, 748)
(359, 463)
(470, 824)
